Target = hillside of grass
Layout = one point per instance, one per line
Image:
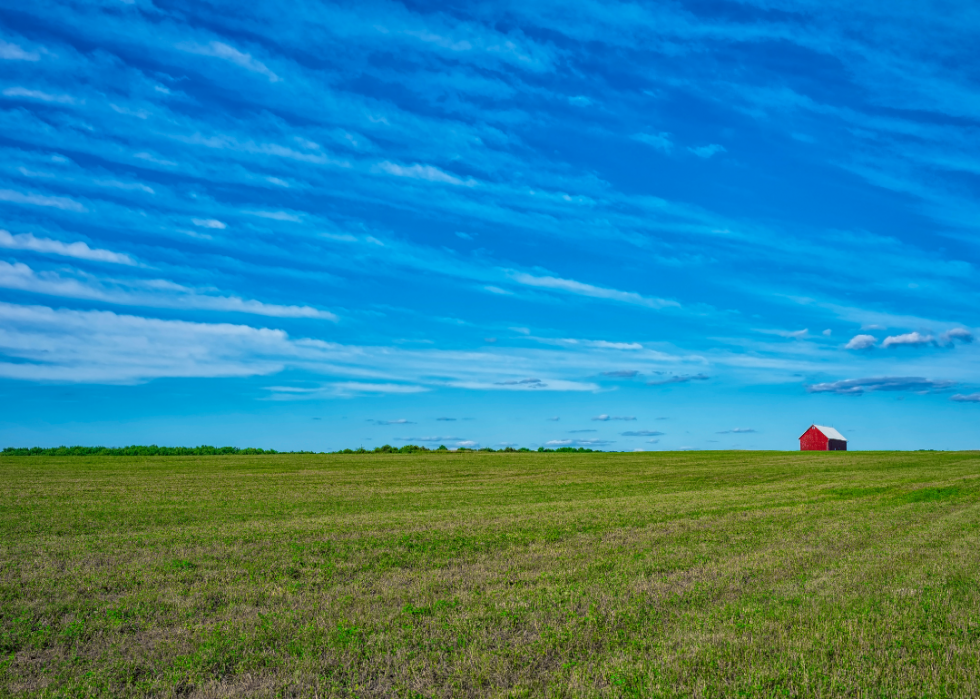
(438, 574)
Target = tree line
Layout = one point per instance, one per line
(205, 450)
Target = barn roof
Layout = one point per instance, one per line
(831, 433)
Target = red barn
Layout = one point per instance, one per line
(820, 438)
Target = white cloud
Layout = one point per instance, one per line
(103, 347)
(573, 287)
(38, 95)
(195, 234)
(276, 215)
(913, 338)
(860, 342)
(161, 294)
(63, 203)
(431, 438)
(13, 52)
(48, 350)
(708, 150)
(217, 49)
(971, 398)
(365, 387)
(578, 443)
(600, 344)
(794, 334)
(79, 250)
(856, 387)
(497, 290)
(661, 141)
(345, 389)
(208, 223)
(525, 385)
(156, 160)
(421, 172)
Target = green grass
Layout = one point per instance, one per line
(424, 575)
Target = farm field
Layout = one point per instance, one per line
(507, 574)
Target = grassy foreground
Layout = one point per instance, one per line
(448, 575)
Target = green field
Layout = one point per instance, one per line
(448, 575)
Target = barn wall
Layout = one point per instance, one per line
(837, 445)
(813, 440)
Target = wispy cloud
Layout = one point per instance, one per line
(399, 421)
(855, 387)
(530, 383)
(497, 290)
(969, 398)
(662, 141)
(416, 171)
(365, 387)
(276, 216)
(578, 443)
(738, 430)
(13, 52)
(218, 49)
(209, 223)
(642, 433)
(78, 250)
(38, 95)
(684, 378)
(598, 344)
(63, 203)
(581, 289)
(429, 439)
(621, 374)
(154, 293)
(560, 385)
(605, 418)
(103, 347)
(794, 334)
(708, 150)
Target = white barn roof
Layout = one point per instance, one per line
(831, 433)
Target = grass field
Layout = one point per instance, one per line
(448, 575)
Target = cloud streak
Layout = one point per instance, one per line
(78, 250)
(217, 49)
(149, 293)
(685, 378)
(570, 286)
(856, 387)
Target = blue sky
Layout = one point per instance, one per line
(667, 226)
